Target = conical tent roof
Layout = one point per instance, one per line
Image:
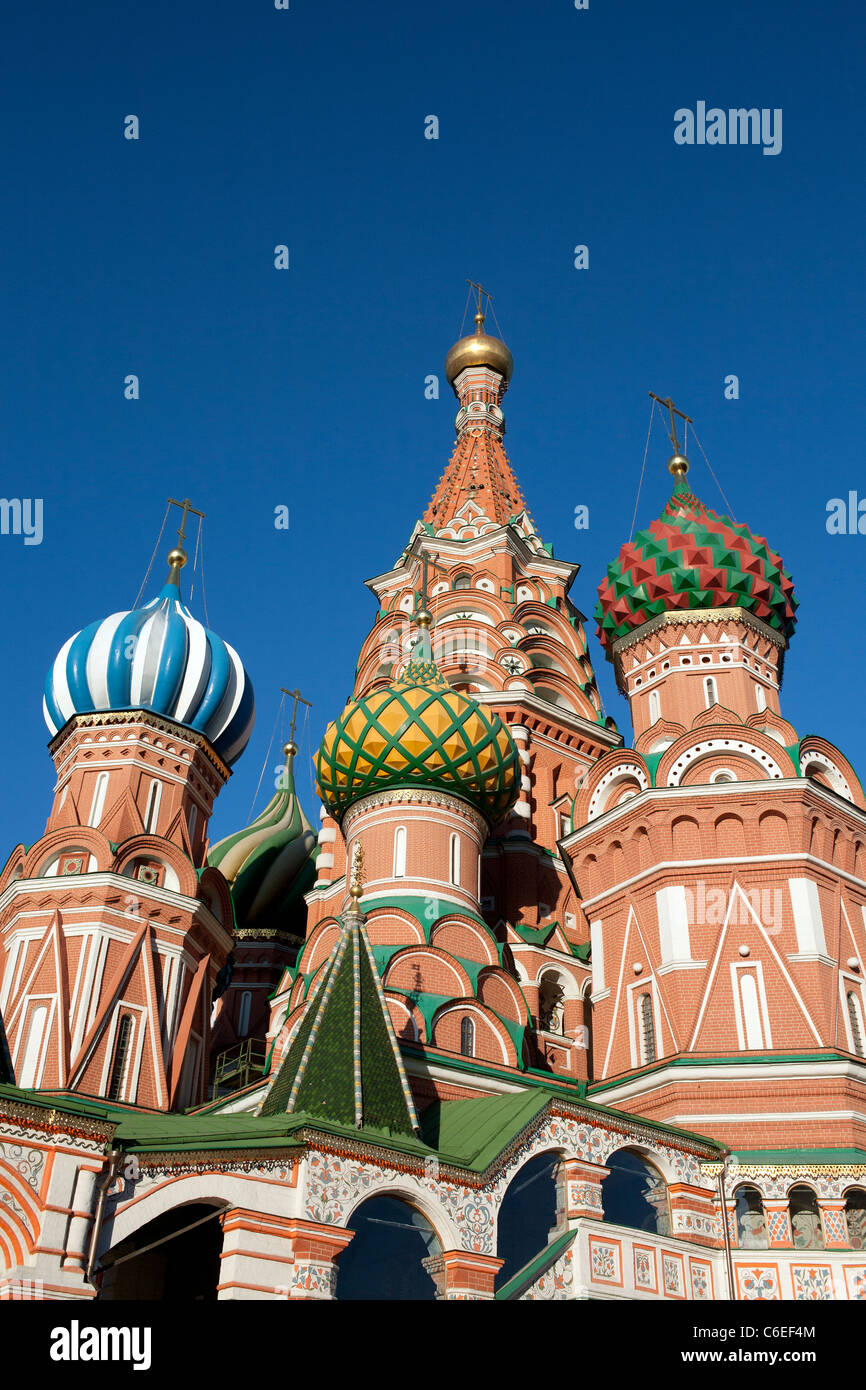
(344, 1063)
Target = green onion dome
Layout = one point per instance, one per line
(418, 732)
(692, 558)
(270, 865)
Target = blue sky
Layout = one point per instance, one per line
(305, 387)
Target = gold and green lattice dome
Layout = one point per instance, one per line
(418, 732)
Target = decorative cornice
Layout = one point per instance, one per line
(205, 1160)
(681, 616)
(416, 796)
(55, 1121)
(793, 1170)
(106, 718)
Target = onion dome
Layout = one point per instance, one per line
(479, 349)
(157, 658)
(418, 732)
(268, 864)
(692, 558)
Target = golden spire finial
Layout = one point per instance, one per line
(177, 556)
(678, 464)
(356, 876)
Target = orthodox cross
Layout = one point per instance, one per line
(672, 411)
(187, 507)
(473, 285)
(299, 700)
(426, 561)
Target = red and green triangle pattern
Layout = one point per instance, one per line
(692, 558)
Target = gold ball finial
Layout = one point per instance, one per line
(678, 465)
(289, 749)
(177, 558)
(423, 618)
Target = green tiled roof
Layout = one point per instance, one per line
(470, 1133)
(530, 1272)
(344, 1063)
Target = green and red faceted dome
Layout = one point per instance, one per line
(692, 558)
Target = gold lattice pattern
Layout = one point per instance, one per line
(418, 732)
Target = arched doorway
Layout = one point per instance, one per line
(384, 1259)
(634, 1194)
(529, 1213)
(175, 1258)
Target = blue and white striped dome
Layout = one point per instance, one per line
(157, 658)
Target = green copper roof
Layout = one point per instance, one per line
(530, 1272)
(474, 1132)
(269, 865)
(690, 559)
(418, 732)
(344, 1063)
(849, 1158)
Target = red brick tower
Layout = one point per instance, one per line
(505, 633)
(722, 861)
(112, 927)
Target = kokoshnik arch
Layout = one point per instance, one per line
(483, 998)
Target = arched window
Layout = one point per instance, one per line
(192, 822)
(387, 1258)
(855, 1018)
(532, 1210)
(454, 860)
(751, 1223)
(97, 805)
(710, 691)
(121, 1053)
(467, 1037)
(151, 814)
(634, 1194)
(550, 1001)
(760, 698)
(805, 1219)
(655, 707)
(244, 1013)
(462, 581)
(400, 852)
(855, 1215)
(647, 1028)
(29, 1073)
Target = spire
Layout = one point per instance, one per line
(344, 1064)
(478, 479)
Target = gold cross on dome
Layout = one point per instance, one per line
(672, 411)
(186, 507)
(299, 700)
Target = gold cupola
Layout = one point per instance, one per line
(479, 349)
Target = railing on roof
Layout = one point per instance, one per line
(240, 1065)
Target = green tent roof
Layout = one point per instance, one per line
(344, 1063)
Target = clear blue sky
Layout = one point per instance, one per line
(306, 387)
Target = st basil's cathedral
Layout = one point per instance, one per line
(531, 1014)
